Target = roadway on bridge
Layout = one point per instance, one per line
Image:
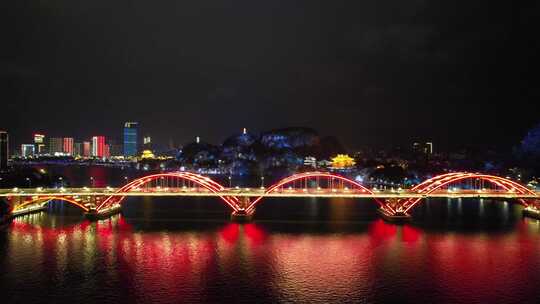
(256, 192)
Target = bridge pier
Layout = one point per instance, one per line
(94, 215)
(532, 212)
(241, 215)
(392, 211)
(397, 217)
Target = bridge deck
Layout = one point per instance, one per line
(256, 192)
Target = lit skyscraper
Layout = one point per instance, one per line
(27, 150)
(106, 151)
(98, 146)
(78, 149)
(56, 146)
(115, 148)
(4, 150)
(87, 149)
(68, 145)
(130, 138)
(39, 142)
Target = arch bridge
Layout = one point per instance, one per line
(393, 204)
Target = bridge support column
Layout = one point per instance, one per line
(241, 215)
(532, 210)
(392, 211)
(93, 214)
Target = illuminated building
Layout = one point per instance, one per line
(87, 149)
(107, 151)
(342, 161)
(98, 146)
(78, 149)
(56, 146)
(147, 154)
(324, 163)
(68, 145)
(115, 149)
(40, 149)
(39, 138)
(130, 138)
(39, 143)
(426, 148)
(27, 150)
(4, 150)
(310, 161)
(147, 143)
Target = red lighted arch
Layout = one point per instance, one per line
(441, 181)
(47, 199)
(200, 180)
(306, 175)
(434, 179)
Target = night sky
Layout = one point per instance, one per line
(370, 72)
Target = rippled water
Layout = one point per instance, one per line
(303, 251)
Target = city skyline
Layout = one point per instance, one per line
(399, 75)
(131, 146)
(140, 141)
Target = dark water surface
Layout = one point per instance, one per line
(171, 250)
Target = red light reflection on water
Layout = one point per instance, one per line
(380, 230)
(230, 233)
(255, 234)
(183, 265)
(410, 234)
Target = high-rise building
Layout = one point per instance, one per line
(106, 151)
(27, 150)
(78, 149)
(4, 150)
(68, 145)
(87, 149)
(98, 146)
(39, 143)
(130, 138)
(56, 146)
(115, 149)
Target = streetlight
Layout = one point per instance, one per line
(230, 181)
(92, 181)
(61, 181)
(29, 182)
(262, 181)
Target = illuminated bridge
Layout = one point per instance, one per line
(393, 204)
